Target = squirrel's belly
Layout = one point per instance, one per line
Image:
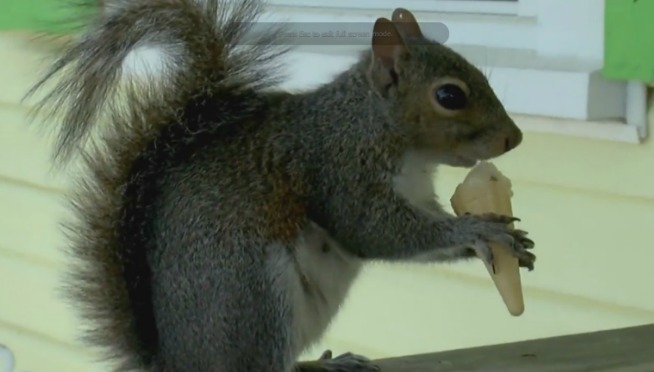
(324, 273)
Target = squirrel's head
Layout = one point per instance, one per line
(444, 102)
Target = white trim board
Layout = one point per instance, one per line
(310, 69)
(525, 84)
(550, 27)
(546, 60)
(510, 7)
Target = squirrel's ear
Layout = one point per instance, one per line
(388, 47)
(406, 22)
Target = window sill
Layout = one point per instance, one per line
(614, 131)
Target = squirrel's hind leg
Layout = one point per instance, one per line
(324, 273)
(225, 307)
(244, 305)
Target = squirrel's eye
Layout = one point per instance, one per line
(451, 97)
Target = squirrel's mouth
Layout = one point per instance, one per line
(461, 161)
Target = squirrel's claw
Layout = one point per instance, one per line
(514, 239)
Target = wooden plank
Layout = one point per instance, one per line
(625, 350)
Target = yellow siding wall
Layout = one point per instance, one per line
(588, 204)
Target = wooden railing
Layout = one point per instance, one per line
(621, 350)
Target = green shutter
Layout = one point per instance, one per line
(40, 15)
(629, 40)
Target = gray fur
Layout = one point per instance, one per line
(221, 225)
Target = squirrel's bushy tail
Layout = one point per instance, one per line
(154, 54)
(136, 69)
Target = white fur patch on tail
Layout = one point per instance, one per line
(152, 62)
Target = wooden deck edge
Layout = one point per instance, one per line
(626, 350)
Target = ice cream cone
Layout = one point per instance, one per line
(486, 190)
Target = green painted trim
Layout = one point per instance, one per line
(629, 40)
(51, 16)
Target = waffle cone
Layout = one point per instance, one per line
(486, 190)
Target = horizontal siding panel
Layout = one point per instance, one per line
(590, 245)
(581, 164)
(34, 293)
(397, 314)
(29, 223)
(561, 160)
(23, 60)
(388, 313)
(38, 354)
(25, 151)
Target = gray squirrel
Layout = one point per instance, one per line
(222, 221)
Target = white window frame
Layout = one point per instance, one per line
(543, 57)
(511, 7)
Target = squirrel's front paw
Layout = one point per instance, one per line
(493, 227)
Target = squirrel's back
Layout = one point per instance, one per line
(156, 72)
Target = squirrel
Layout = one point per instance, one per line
(221, 220)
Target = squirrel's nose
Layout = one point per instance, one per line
(512, 140)
(508, 144)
